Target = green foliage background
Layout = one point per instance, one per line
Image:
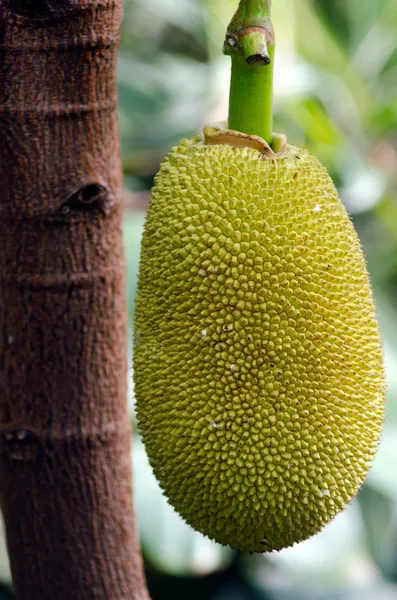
(336, 94)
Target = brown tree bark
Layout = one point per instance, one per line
(65, 481)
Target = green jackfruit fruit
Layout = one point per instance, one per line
(258, 363)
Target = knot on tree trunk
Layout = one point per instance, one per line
(92, 196)
(40, 9)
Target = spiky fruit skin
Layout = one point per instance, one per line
(258, 364)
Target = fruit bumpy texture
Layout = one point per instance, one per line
(258, 364)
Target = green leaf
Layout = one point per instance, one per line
(133, 227)
(380, 521)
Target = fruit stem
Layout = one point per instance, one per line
(250, 42)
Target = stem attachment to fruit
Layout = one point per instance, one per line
(250, 42)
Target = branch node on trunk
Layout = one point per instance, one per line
(22, 444)
(40, 9)
(88, 197)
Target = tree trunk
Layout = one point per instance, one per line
(65, 481)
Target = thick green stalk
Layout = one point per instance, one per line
(250, 43)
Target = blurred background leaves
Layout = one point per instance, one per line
(336, 94)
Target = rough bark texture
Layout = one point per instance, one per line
(65, 482)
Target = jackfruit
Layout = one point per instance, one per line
(257, 359)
